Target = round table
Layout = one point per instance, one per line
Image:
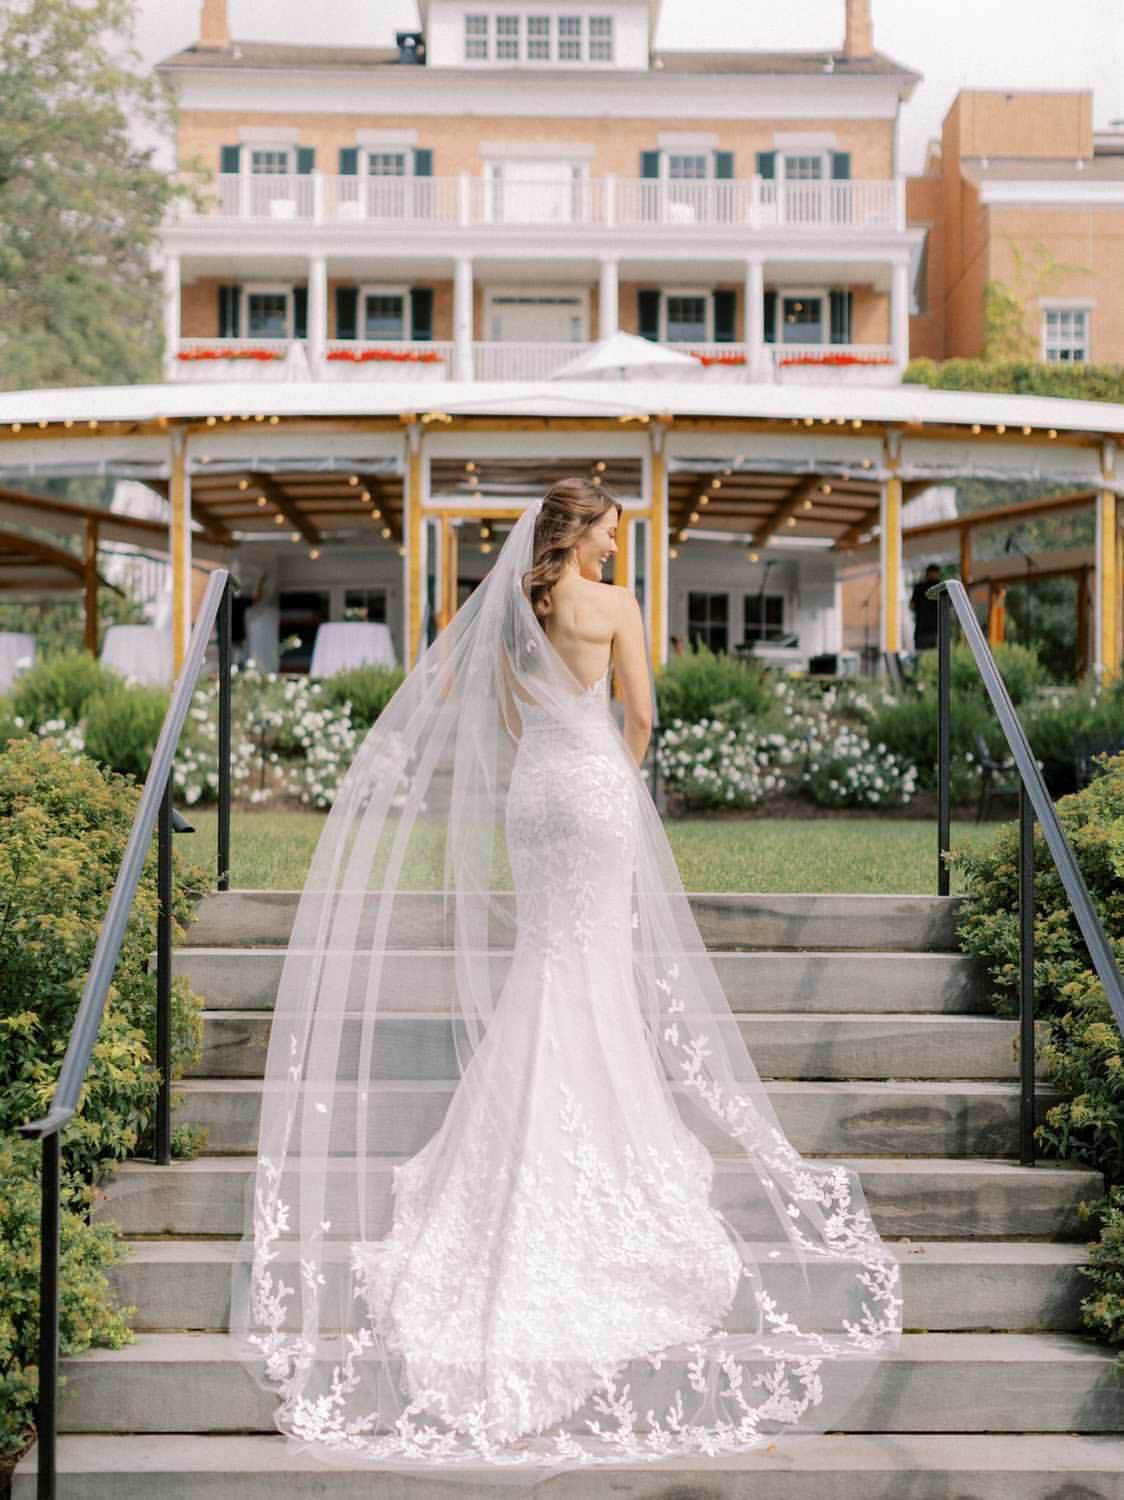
(17, 653)
(343, 644)
(142, 652)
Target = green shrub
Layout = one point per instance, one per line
(908, 728)
(122, 725)
(12, 727)
(58, 687)
(367, 689)
(1058, 725)
(87, 1314)
(1080, 1041)
(1019, 666)
(1079, 382)
(1103, 1309)
(703, 684)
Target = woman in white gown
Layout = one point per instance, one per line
(521, 1196)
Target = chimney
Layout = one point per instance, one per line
(214, 29)
(859, 40)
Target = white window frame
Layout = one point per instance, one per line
(782, 595)
(265, 289)
(583, 14)
(486, 17)
(1083, 305)
(706, 293)
(384, 289)
(285, 148)
(496, 164)
(806, 294)
(392, 148)
(784, 152)
(522, 289)
(539, 15)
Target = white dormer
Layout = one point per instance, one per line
(612, 34)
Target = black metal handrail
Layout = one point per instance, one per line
(1034, 802)
(153, 810)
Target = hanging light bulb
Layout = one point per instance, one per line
(600, 466)
(294, 536)
(693, 517)
(485, 547)
(279, 519)
(807, 504)
(314, 553)
(673, 553)
(243, 484)
(262, 501)
(386, 533)
(681, 536)
(751, 556)
(825, 488)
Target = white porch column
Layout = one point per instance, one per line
(754, 316)
(899, 313)
(462, 319)
(608, 307)
(317, 313)
(890, 546)
(171, 314)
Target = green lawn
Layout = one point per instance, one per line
(272, 851)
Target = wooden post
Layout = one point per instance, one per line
(657, 506)
(179, 521)
(414, 532)
(620, 562)
(890, 545)
(1107, 582)
(90, 579)
(996, 613)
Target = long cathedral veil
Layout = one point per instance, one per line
(398, 956)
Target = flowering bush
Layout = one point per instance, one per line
(716, 764)
(845, 770)
(836, 359)
(389, 356)
(262, 356)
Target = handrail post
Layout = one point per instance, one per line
(163, 1124)
(224, 632)
(47, 1402)
(1026, 977)
(944, 741)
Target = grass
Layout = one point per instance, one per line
(272, 850)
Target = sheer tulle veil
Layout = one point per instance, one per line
(398, 965)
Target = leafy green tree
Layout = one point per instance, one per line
(80, 203)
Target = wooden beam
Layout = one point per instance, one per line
(792, 502)
(90, 589)
(657, 503)
(213, 528)
(415, 532)
(291, 511)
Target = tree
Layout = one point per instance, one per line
(80, 204)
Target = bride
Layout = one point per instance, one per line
(521, 1197)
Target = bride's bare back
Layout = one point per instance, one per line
(592, 625)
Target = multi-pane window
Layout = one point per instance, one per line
(507, 38)
(569, 38)
(365, 604)
(384, 315)
(686, 319)
(764, 617)
(803, 168)
(692, 166)
(269, 161)
(708, 620)
(267, 315)
(600, 38)
(476, 38)
(386, 163)
(1065, 334)
(538, 38)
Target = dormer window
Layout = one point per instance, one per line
(538, 37)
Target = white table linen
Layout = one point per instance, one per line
(143, 652)
(343, 644)
(16, 647)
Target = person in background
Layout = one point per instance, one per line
(676, 646)
(925, 610)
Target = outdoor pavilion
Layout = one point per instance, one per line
(332, 463)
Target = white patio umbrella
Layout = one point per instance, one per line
(625, 354)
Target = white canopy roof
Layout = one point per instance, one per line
(625, 353)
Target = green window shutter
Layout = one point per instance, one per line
(770, 317)
(423, 162)
(723, 165)
(306, 160)
(649, 163)
(349, 161)
(300, 312)
(229, 300)
(841, 165)
(841, 303)
(347, 311)
(767, 164)
(648, 305)
(725, 303)
(421, 312)
(230, 159)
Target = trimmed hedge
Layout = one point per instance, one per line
(1020, 378)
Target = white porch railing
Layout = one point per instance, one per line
(238, 359)
(500, 361)
(415, 359)
(599, 202)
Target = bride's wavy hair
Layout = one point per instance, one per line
(569, 509)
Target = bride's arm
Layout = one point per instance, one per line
(630, 660)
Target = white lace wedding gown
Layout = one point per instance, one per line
(558, 1223)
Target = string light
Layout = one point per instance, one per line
(42, 421)
(365, 497)
(1001, 427)
(791, 521)
(401, 550)
(1026, 431)
(681, 536)
(485, 547)
(262, 501)
(600, 466)
(243, 484)
(294, 536)
(273, 421)
(17, 426)
(92, 424)
(353, 480)
(704, 500)
(211, 421)
(716, 484)
(314, 553)
(751, 556)
(807, 505)
(485, 533)
(1053, 432)
(386, 533)
(673, 553)
(470, 467)
(279, 519)
(693, 517)
(856, 421)
(825, 488)
(975, 427)
(809, 421)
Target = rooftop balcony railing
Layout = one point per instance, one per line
(597, 202)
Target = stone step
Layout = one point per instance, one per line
(726, 919)
(948, 1285)
(842, 1466)
(946, 1199)
(918, 1118)
(833, 981)
(937, 1382)
(782, 1045)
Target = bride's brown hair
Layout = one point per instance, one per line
(569, 509)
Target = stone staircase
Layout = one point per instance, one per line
(879, 1049)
